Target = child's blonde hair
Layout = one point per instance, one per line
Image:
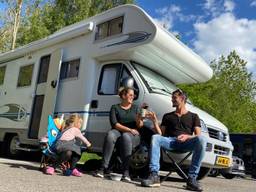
(73, 119)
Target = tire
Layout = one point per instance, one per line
(214, 172)
(10, 146)
(228, 175)
(204, 171)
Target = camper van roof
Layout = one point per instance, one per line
(163, 53)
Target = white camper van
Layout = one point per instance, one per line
(80, 68)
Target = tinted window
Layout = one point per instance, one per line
(109, 28)
(109, 79)
(2, 74)
(44, 66)
(70, 69)
(112, 76)
(25, 75)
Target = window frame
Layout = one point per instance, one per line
(40, 68)
(3, 66)
(68, 61)
(101, 77)
(98, 38)
(31, 79)
(121, 69)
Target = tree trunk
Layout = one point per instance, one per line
(17, 12)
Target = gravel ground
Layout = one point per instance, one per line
(24, 176)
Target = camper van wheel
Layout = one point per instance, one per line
(12, 142)
(228, 175)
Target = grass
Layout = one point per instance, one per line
(87, 156)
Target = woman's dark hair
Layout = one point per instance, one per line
(124, 90)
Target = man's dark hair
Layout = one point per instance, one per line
(181, 93)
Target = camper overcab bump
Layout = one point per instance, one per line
(80, 68)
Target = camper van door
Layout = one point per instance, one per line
(46, 93)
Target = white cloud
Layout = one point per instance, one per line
(253, 3)
(225, 33)
(229, 5)
(167, 16)
(215, 8)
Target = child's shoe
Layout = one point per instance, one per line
(76, 173)
(49, 171)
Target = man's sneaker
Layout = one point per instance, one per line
(76, 173)
(193, 185)
(152, 181)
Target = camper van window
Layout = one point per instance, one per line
(43, 71)
(109, 79)
(70, 69)
(109, 28)
(25, 75)
(2, 74)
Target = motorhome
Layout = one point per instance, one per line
(79, 69)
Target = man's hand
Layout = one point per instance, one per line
(183, 137)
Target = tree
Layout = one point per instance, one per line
(14, 13)
(229, 95)
(54, 15)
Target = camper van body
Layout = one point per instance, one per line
(80, 68)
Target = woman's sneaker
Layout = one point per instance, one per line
(76, 173)
(49, 171)
(126, 179)
(102, 173)
(99, 173)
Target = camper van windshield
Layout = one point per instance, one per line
(155, 82)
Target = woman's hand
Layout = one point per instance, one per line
(152, 116)
(134, 132)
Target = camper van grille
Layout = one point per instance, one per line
(221, 150)
(216, 134)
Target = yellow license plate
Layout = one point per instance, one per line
(222, 161)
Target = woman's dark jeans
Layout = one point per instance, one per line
(127, 143)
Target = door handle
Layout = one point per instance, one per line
(54, 83)
(94, 104)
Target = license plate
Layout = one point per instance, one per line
(222, 161)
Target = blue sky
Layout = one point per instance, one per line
(210, 27)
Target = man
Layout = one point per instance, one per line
(180, 130)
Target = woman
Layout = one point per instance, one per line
(125, 123)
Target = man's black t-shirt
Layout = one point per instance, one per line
(175, 125)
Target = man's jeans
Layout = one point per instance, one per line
(197, 145)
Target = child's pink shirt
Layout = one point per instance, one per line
(73, 133)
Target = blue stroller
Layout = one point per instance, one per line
(47, 145)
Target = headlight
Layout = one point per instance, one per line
(203, 126)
